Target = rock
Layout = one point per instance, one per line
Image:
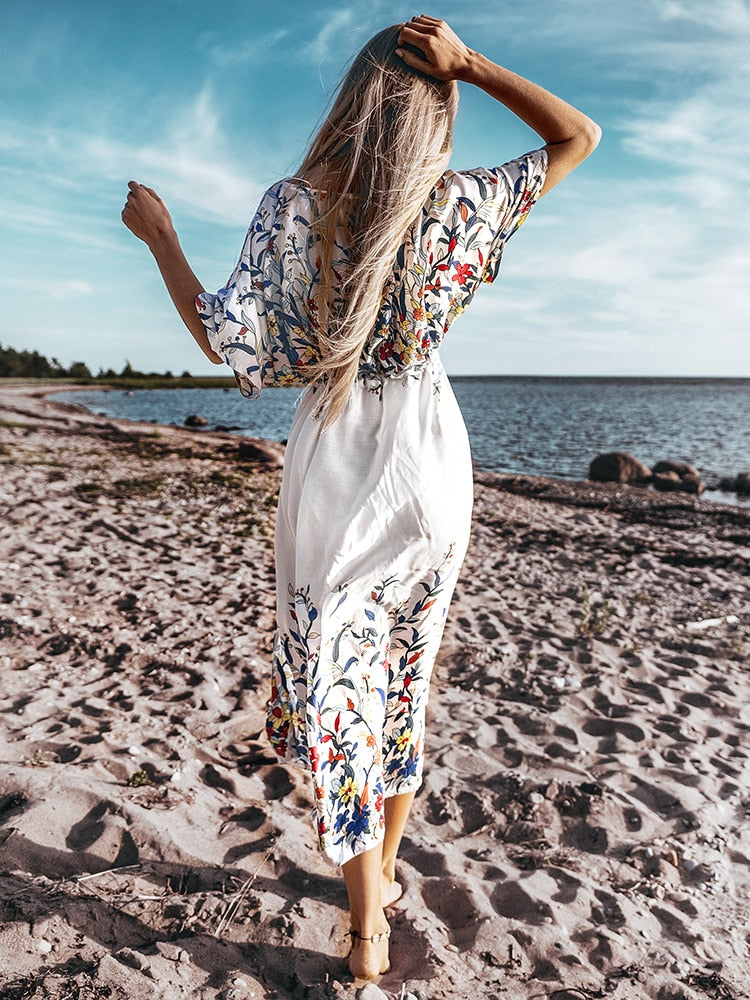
(131, 981)
(736, 484)
(681, 468)
(169, 950)
(677, 476)
(618, 467)
(371, 992)
(268, 452)
(666, 481)
(195, 421)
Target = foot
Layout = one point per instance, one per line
(390, 891)
(368, 958)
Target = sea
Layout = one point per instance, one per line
(536, 425)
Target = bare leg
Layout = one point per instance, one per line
(397, 809)
(368, 959)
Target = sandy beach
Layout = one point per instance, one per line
(584, 825)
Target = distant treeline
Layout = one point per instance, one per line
(32, 364)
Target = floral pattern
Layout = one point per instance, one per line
(264, 321)
(352, 709)
(374, 513)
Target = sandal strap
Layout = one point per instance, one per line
(355, 935)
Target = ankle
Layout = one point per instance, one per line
(375, 938)
(367, 927)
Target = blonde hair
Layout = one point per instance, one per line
(386, 141)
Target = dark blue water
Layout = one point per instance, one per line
(536, 425)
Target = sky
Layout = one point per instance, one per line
(637, 264)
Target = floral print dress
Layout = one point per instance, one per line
(374, 513)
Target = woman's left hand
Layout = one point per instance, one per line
(444, 55)
(146, 215)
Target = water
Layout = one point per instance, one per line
(535, 425)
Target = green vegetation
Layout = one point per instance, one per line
(138, 779)
(596, 615)
(31, 366)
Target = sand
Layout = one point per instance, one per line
(583, 829)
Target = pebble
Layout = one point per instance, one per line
(169, 950)
(565, 683)
(371, 992)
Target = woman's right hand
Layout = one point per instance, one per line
(146, 215)
(445, 55)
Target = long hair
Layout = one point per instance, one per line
(382, 148)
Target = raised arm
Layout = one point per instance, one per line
(569, 134)
(148, 218)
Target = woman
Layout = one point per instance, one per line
(349, 277)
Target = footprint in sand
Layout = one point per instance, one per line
(211, 776)
(278, 783)
(674, 926)
(426, 862)
(609, 912)
(104, 829)
(568, 885)
(249, 819)
(509, 899)
(592, 839)
(436, 813)
(612, 727)
(12, 804)
(454, 907)
(473, 814)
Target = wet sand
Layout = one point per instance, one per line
(584, 825)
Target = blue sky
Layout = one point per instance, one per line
(637, 264)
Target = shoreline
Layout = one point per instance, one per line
(584, 820)
(577, 491)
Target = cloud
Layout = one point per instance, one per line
(191, 162)
(57, 289)
(256, 51)
(321, 48)
(727, 17)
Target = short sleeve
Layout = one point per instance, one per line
(235, 325)
(473, 214)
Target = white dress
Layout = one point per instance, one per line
(374, 512)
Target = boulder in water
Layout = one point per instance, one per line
(619, 467)
(681, 468)
(678, 476)
(195, 421)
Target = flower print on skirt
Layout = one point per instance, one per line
(372, 528)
